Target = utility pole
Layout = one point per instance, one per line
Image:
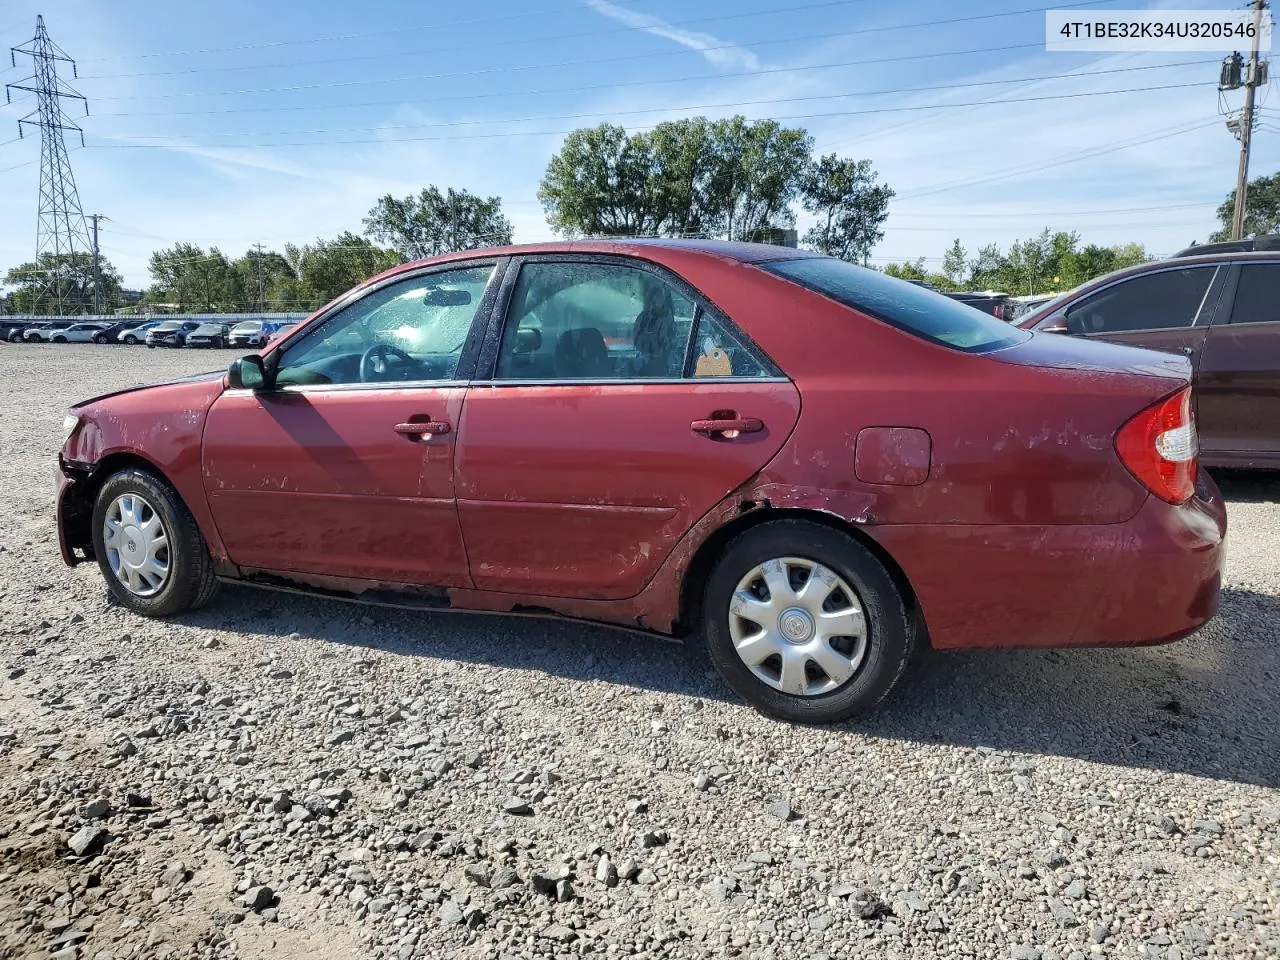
(1253, 78)
(97, 273)
(261, 305)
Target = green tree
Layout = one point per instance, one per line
(955, 264)
(195, 280)
(1262, 209)
(987, 267)
(328, 268)
(851, 207)
(433, 223)
(262, 274)
(1129, 254)
(1027, 264)
(598, 185)
(722, 178)
(756, 170)
(61, 283)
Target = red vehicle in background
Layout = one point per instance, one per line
(811, 466)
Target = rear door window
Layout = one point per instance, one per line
(918, 311)
(1163, 300)
(1257, 294)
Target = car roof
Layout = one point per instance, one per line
(1264, 243)
(659, 249)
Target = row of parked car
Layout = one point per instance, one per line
(154, 333)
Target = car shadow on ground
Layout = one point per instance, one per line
(1208, 706)
(1248, 486)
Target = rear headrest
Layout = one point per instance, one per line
(582, 353)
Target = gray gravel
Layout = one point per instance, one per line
(277, 776)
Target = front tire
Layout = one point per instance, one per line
(149, 547)
(100, 339)
(59, 339)
(804, 623)
(131, 340)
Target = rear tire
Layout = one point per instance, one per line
(824, 580)
(155, 581)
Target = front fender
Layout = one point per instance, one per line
(158, 428)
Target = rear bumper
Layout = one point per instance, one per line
(1152, 579)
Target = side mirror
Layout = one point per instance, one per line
(528, 340)
(247, 373)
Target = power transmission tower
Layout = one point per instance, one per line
(60, 230)
(1236, 73)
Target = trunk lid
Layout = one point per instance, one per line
(1093, 356)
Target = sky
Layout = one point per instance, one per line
(240, 122)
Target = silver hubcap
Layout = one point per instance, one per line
(137, 545)
(798, 626)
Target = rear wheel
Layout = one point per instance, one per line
(148, 546)
(805, 623)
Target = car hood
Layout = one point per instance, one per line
(1072, 353)
(195, 378)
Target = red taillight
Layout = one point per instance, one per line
(1159, 447)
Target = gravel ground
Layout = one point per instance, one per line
(278, 776)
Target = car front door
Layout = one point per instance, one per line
(619, 409)
(345, 466)
(1239, 380)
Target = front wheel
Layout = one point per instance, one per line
(59, 339)
(101, 338)
(148, 546)
(804, 623)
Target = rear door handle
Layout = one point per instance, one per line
(727, 426)
(416, 429)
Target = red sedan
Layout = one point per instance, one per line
(813, 466)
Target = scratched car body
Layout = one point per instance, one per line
(813, 467)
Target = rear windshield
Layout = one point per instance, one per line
(906, 306)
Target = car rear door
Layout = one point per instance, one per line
(1239, 380)
(619, 408)
(346, 467)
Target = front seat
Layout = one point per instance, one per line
(581, 354)
(655, 334)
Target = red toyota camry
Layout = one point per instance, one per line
(812, 466)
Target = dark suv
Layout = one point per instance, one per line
(1221, 309)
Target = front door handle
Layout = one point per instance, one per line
(417, 429)
(727, 427)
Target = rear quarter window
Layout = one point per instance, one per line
(910, 308)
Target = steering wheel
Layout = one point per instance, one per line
(376, 362)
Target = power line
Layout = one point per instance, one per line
(1057, 213)
(376, 80)
(542, 92)
(789, 10)
(547, 133)
(1050, 163)
(895, 91)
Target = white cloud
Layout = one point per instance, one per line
(713, 50)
